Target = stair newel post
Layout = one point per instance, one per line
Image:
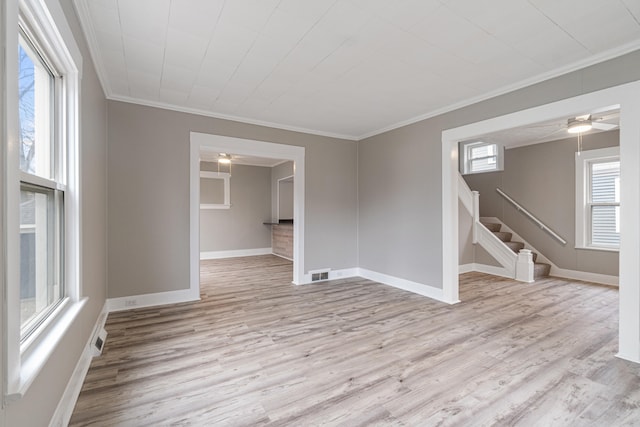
(476, 215)
(524, 266)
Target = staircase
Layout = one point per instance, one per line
(515, 260)
(540, 269)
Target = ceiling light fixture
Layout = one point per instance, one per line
(579, 125)
(224, 158)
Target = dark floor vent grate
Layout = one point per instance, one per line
(322, 275)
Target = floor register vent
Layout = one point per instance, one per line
(98, 342)
(319, 275)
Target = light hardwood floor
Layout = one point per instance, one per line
(257, 350)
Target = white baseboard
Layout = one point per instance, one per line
(150, 300)
(385, 279)
(234, 253)
(487, 269)
(466, 268)
(67, 402)
(282, 256)
(585, 276)
(407, 285)
(343, 273)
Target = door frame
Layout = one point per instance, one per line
(627, 98)
(246, 147)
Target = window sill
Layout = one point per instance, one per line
(480, 172)
(211, 206)
(35, 352)
(597, 248)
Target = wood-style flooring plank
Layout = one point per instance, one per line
(257, 350)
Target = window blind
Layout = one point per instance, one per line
(605, 203)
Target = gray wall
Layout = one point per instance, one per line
(541, 178)
(283, 170)
(400, 173)
(241, 226)
(148, 195)
(38, 405)
(285, 199)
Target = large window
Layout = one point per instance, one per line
(598, 199)
(479, 156)
(42, 191)
(42, 187)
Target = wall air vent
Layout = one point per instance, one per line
(319, 275)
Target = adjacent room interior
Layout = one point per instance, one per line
(337, 212)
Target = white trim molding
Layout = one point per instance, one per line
(46, 22)
(466, 268)
(626, 97)
(575, 66)
(585, 276)
(406, 285)
(487, 269)
(343, 273)
(226, 189)
(151, 300)
(65, 407)
(234, 253)
(203, 142)
(584, 160)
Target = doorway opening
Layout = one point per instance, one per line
(625, 97)
(200, 143)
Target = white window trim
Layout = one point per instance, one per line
(465, 149)
(583, 216)
(227, 190)
(23, 362)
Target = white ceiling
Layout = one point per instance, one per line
(348, 68)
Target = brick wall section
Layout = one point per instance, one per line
(282, 240)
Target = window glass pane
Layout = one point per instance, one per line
(483, 151)
(605, 182)
(486, 164)
(605, 226)
(35, 84)
(40, 255)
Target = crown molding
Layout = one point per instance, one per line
(181, 109)
(82, 10)
(574, 66)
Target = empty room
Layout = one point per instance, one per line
(320, 212)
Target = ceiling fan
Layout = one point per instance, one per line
(587, 122)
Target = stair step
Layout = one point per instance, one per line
(541, 269)
(492, 226)
(515, 246)
(503, 235)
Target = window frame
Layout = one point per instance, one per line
(466, 160)
(583, 162)
(45, 26)
(225, 176)
(56, 179)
